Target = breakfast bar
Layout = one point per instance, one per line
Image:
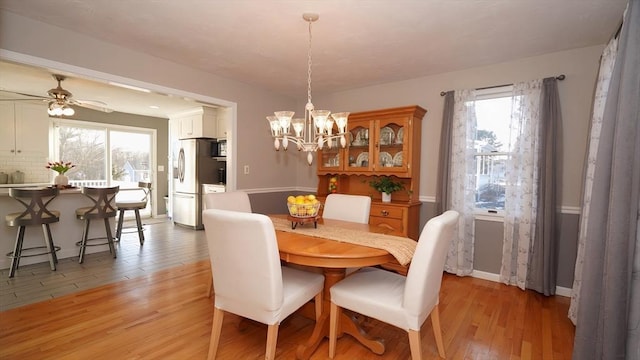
(65, 233)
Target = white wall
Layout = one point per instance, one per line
(579, 65)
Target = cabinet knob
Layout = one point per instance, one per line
(384, 213)
(13, 151)
(19, 151)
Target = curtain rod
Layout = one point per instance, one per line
(559, 77)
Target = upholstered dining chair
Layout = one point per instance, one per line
(404, 302)
(232, 201)
(248, 277)
(354, 208)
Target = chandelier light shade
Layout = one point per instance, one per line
(316, 128)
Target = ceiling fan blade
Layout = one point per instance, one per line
(91, 104)
(13, 93)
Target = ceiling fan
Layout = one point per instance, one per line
(59, 100)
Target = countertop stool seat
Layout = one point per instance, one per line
(136, 205)
(35, 213)
(103, 199)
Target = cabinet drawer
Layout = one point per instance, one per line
(395, 225)
(386, 211)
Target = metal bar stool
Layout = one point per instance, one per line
(136, 206)
(35, 202)
(103, 208)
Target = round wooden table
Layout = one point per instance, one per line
(332, 257)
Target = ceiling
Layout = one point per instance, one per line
(356, 43)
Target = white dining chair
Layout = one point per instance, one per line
(404, 302)
(248, 277)
(232, 201)
(354, 208)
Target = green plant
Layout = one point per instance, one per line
(386, 185)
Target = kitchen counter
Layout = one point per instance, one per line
(65, 233)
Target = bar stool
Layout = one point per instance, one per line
(35, 213)
(103, 208)
(136, 206)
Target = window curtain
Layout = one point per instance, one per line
(522, 183)
(543, 258)
(461, 184)
(442, 188)
(600, 97)
(608, 318)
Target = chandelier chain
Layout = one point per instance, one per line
(309, 63)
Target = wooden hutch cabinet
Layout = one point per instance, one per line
(381, 143)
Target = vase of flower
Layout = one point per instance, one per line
(61, 167)
(61, 180)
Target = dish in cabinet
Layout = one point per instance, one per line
(397, 159)
(386, 136)
(363, 159)
(400, 136)
(385, 159)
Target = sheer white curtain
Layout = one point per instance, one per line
(522, 175)
(600, 98)
(462, 182)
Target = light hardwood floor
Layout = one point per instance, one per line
(164, 314)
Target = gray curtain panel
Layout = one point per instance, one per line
(442, 188)
(608, 325)
(543, 258)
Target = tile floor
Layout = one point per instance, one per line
(165, 246)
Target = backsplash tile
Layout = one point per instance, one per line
(33, 167)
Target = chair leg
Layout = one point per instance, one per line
(17, 250)
(49, 244)
(216, 328)
(415, 344)
(140, 230)
(83, 244)
(107, 228)
(272, 339)
(437, 331)
(210, 289)
(55, 256)
(334, 315)
(119, 227)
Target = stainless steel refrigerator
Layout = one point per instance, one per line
(194, 167)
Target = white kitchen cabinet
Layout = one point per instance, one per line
(200, 122)
(25, 129)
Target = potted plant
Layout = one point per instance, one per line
(386, 185)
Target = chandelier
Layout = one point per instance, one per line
(316, 128)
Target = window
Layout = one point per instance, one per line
(106, 155)
(491, 142)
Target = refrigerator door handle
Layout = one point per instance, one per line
(181, 161)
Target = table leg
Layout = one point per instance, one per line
(347, 325)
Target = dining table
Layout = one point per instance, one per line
(332, 246)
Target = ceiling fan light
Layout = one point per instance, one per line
(67, 110)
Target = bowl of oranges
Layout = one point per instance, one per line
(303, 206)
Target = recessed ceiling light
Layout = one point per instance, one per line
(154, 107)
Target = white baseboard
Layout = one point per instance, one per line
(560, 291)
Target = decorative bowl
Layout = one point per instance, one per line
(304, 211)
